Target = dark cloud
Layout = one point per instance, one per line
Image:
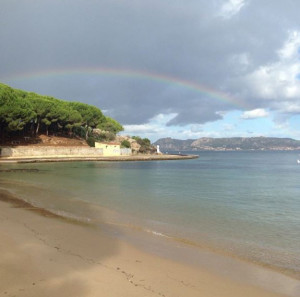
(184, 39)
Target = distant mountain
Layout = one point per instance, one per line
(170, 144)
(228, 144)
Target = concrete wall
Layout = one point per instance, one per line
(126, 152)
(50, 151)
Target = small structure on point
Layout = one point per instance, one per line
(157, 149)
(109, 149)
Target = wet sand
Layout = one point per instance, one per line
(43, 254)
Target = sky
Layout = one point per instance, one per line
(181, 69)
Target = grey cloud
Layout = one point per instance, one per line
(183, 39)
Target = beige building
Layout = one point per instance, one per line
(109, 149)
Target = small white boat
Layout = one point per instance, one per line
(298, 161)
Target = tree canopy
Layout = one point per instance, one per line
(28, 113)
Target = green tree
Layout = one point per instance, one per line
(34, 113)
(41, 107)
(110, 125)
(91, 115)
(15, 112)
(73, 119)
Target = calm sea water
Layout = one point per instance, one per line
(247, 203)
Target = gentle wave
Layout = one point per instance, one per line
(244, 203)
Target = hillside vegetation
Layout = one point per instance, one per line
(29, 114)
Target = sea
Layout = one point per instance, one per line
(244, 204)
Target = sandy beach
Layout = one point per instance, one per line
(42, 254)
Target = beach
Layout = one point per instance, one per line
(223, 224)
(43, 254)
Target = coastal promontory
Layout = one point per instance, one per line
(229, 144)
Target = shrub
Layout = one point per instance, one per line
(91, 141)
(146, 142)
(105, 136)
(125, 143)
(143, 142)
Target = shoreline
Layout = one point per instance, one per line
(41, 217)
(127, 223)
(113, 219)
(111, 159)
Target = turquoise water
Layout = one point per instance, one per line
(245, 203)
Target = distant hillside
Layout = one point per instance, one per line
(228, 144)
(174, 144)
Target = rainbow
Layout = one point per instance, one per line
(136, 74)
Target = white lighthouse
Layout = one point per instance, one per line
(157, 149)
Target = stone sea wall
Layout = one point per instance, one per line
(49, 151)
(125, 151)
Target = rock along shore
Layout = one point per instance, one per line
(102, 158)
